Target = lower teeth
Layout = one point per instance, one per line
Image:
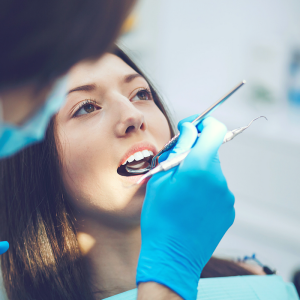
(136, 168)
(139, 171)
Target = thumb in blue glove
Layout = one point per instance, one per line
(3, 247)
(186, 212)
(186, 141)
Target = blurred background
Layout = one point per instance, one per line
(195, 52)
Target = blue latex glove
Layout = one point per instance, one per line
(186, 212)
(182, 146)
(3, 247)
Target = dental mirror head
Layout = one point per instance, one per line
(138, 163)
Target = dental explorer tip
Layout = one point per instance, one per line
(261, 117)
(244, 81)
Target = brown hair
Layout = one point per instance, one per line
(44, 260)
(217, 267)
(296, 281)
(42, 40)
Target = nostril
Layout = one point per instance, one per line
(130, 129)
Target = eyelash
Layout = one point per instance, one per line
(82, 104)
(94, 102)
(143, 90)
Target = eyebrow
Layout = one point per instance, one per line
(130, 77)
(85, 88)
(92, 87)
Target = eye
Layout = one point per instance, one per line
(142, 94)
(86, 107)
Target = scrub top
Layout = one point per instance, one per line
(252, 287)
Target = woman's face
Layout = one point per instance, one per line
(109, 117)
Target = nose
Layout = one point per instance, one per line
(130, 118)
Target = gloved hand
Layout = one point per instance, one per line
(3, 247)
(186, 212)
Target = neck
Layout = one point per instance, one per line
(111, 256)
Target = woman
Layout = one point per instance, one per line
(70, 208)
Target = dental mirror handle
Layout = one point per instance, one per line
(217, 104)
(196, 121)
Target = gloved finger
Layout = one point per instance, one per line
(188, 119)
(208, 144)
(188, 136)
(3, 247)
(164, 156)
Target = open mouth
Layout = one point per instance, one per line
(136, 164)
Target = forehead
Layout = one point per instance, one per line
(108, 67)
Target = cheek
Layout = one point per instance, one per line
(83, 163)
(159, 126)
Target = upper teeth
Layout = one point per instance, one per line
(138, 156)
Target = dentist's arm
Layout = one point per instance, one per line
(186, 212)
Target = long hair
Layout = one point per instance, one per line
(44, 260)
(42, 40)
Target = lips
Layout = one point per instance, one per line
(138, 148)
(138, 157)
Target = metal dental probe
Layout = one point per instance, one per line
(174, 140)
(175, 161)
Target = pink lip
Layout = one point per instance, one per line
(135, 178)
(135, 148)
